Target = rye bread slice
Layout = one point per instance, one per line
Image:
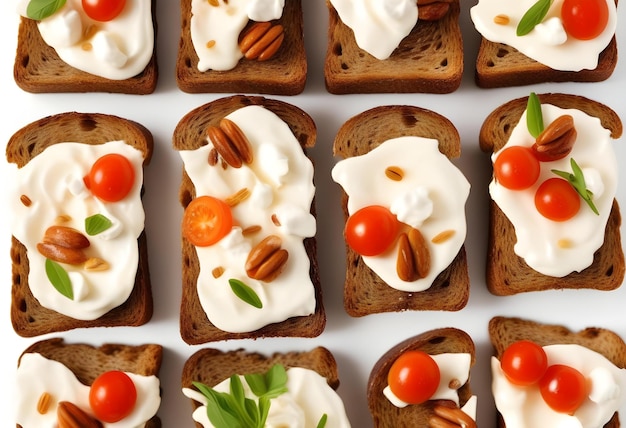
(428, 60)
(503, 331)
(507, 273)
(283, 74)
(38, 68)
(190, 133)
(88, 362)
(28, 317)
(364, 291)
(438, 341)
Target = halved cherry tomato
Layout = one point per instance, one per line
(557, 200)
(524, 363)
(584, 19)
(111, 177)
(112, 396)
(371, 230)
(206, 220)
(103, 10)
(516, 168)
(563, 388)
(414, 377)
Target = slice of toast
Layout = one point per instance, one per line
(190, 134)
(283, 74)
(28, 316)
(508, 273)
(364, 291)
(88, 362)
(428, 60)
(38, 68)
(503, 331)
(438, 341)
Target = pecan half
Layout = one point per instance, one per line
(267, 259)
(432, 11)
(230, 143)
(70, 415)
(64, 245)
(450, 417)
(557, 139)
(261, 41)
(58, 253)
(413, 260)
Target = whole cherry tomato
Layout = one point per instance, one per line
(371, 230)
(112, 396)
(414, 377)
(516, 168)
(524, 363)
(584, 19)
(206, 220)
(111, 177)
(103, 10)
(563, 388)
(557, 200)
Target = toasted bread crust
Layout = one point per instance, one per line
(507, 273)
(438, 341)
(28, 317)
(428, 60)
(195, 327)
(283, 74)
(38, 68)
(364, 291)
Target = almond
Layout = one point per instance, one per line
(557, 139)
(433, 11)
(446, 416)
(413, 259)
(70, 415)
(65, 237)
(61, 254)
(96, 264)
(267, 259)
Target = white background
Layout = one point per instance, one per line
(356, 342)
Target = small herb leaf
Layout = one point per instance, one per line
(577, 180)
(41, 9)
(96, 224)
(534, 116)
(323, 420)
(533, 16)
(245, 293)
(59, 278)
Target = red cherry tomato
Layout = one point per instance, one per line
(414, 377)
(206, 220)
(112, 396)
(524, 363)
(584, 19)
(516, 168)
(371, 230)
(563, 388)
(557, 200)
(103, 10)
(111, 177)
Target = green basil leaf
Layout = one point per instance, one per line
(219, 411)
(59, 278)
(264, 410)
(256, 382)
(323, 420)
(577, 181)
(533, 16)
(276, 380)
(534, 116)
(96, 224)
(41, 9)
(245, 293)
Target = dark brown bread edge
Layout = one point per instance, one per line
(508, 273)
(195, 327)
(346, 68)
(88, 362)
(28, 317)
(212, 366)
(450, 290)
(504, 331)
(34, 59)
(438, 341)
(284, 74)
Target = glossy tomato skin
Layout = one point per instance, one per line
(516, 168)
(111, 177)
(524, 363)
(206, 220)
(584, 19)
(103, 10)
(371, 230)
(112, 396)
(557, 200)
(563, 388)
(414, 377)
